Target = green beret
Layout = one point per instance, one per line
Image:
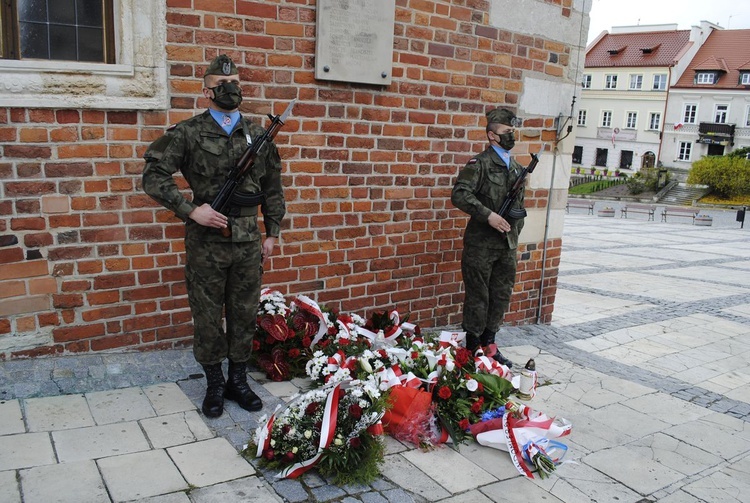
(502, 116)
(222, 65)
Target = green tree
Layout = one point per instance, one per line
(727, 176)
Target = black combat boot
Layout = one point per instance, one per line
(487, 338)
(238, 390)
(213, 404)
(472, 342)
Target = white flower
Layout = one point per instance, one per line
(338, 441)
(449, 365)
(365, 365)
(308, 434)
(472, 385)
(295, 449)
(273, 442)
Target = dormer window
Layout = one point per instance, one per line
(647, 50)
(705, 78)
(745, 79)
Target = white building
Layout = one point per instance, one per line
(626, 83)
(708, 110)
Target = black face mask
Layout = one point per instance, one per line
(506, 140)
(227, 95)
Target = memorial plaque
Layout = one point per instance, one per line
(354, 40)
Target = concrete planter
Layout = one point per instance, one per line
(704, 220)
(606, 212)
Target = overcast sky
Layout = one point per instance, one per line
(608, 13)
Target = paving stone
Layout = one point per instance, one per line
(710, 437)
(327, 493)
(114, 406)
(247, 490)
(674, 453)
(441, 465)
(291, 490)
(168, 398)
(495, 462)
(25, 450)
(210, 462)
(10, 492)
(399, 496)
(401, 472)
(180, 497)
(381, 485)
(57, 413)
(11, 418)
(140, 475)
(167, 431)
(468, 497)
(99, 441)
(640, 473)
(372, 498)
(77, 482)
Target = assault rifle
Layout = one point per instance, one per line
(228, 191)
(505, 210)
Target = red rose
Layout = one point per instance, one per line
(355, 411)
(311, 408)
(293, 353)
(417, 330)
(286, 429)
(414, 355)
(325, 342)
(463, 424)
(270, 340)
(480, 388)
(306, 341)
(269, 454)
(289, 457)
(476, 407)
(355, 442)
(333, 330)
(343, 342)
(444, 392)
(462, 356)
(256, 345)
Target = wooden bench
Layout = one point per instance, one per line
(580, 203)
(678, 212)
(646, 209)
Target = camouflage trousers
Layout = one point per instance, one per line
(489, 275)
(223, 278)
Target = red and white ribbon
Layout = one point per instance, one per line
(327, 432)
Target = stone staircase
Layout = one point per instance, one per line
(683, 195)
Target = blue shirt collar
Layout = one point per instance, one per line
(219, 118)
(504, 154)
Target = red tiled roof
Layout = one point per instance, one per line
(727, 51)
(652, 48)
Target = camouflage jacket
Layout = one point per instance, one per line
(480, 189)
(200, 149)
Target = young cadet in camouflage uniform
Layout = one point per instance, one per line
(223, 274)
(488, 263)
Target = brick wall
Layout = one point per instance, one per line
(88, 262)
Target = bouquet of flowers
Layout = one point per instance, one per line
(334, 428)
(285, 334)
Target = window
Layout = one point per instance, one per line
(705, 78)
(586, 82)
(610, 82)
(654, 121)
(636, 82)
(745, 79)
(689, 113)
(127, 72)
(660, 82)
(582, 117)
(720, 114)
(684, 152)
(606, 118)
(577, 154)
(66, 30)
(601, 157)
(747, 116)
(631, 120)
(626, 159)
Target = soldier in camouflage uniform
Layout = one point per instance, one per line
(488, 263)
(223, 274)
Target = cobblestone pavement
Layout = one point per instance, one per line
(648, 356)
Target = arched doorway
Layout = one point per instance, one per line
(648, 160)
